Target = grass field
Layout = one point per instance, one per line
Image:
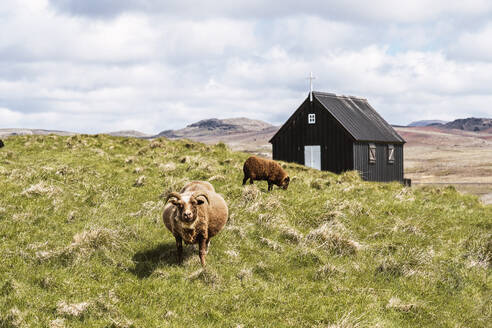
(83, 244)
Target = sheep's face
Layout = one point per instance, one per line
(285, 183)
(187, 207)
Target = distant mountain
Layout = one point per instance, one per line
(21, 132)
(216, 127)
(427, 123)
(128, 133)
(470, 124)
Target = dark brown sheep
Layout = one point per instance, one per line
(256, 168)
(194, 216)
(1, 143)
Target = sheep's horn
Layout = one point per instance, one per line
(173, 194)
(201, 194)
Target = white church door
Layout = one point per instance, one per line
(312, 156)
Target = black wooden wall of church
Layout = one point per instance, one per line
(336, 144)
(382, 170)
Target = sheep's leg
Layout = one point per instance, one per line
(179, 247)
(244, 180)
(250, 180)
(208, 245)
(202, 247)
(270, 185)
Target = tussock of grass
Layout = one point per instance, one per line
(331, 236)
(84, 244)
(169, 167)
(121, 323)
(207, 276)
(390, 267)
(72, 310)
(13, 318)
(269, 219)
(320, 183)
(250, 195)
(348, 320)
(140, 181)
(57, 323)
(291, 234)
(72, 215)
(40, 188)
(130, 160)
(270, 243)
(156, 144)
(237, 230)
(7, 288)
(22, 217)
(95, 238)
(64, 170)
(407, 228)
(273, 203)
(327, 271)
(232, 253)
(405, 195)
(349, 176)
(217, 178)
(479, 250)
(245, 274)
(170, 315)
(396, 304)
(331, 251)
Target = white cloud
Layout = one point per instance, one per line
(151, 66)
(9, 117)
(475, 45)
(416, 11)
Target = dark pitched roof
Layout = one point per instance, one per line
(357, 116)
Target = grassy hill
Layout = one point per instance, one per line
(82, 244)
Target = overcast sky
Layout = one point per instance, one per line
(152, 65)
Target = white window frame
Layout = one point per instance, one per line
(311, 118)
(372, 153)
(391, 154)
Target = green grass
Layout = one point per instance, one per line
(82, 244)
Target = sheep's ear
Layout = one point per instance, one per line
(200, 200)
(287, 179)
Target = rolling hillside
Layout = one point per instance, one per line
(83, 244)
(215, 128)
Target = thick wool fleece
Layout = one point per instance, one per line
(197, 185)
(211, 217)
(256, 168)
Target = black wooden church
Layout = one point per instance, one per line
(341, 133)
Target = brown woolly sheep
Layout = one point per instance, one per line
(197, 185)
(194, 216)
(256, 168)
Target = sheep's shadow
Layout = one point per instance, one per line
(147, 261)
